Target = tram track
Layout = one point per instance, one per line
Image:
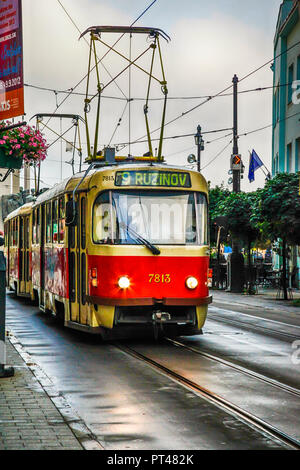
(216, 399)
(216, 317)
(244, 370)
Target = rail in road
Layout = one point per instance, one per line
(216, 399)
(247, 321)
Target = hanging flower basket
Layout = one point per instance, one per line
(21, 144)
(8, 161)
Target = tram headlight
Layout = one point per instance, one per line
(124, 282)
(191, 283)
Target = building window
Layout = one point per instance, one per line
(297, 155)
(289, 163)
(276, 105)
(290, 82)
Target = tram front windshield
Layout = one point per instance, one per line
(161, 217)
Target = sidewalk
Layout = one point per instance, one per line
(32, 415)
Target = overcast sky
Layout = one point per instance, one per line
(210, 42)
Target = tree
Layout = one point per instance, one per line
(238, 207)
(217, 196)
(278, 213)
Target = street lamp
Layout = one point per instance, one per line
(200, 146)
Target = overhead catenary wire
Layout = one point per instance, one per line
(174, 98)
(221, 92)
(73, 22)
(180, 136)
(218, 155)
(76, 86)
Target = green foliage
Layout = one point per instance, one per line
(238, 209)
(278, 208)
(265, 215)
(217, 195)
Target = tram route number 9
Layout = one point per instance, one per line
(160, 278)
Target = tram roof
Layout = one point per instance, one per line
(23, 210)
(58, 189)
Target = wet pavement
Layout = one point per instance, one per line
(29, 420)
(129, 405)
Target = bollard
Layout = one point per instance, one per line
(5, 371)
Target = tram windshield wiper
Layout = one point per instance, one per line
(140, 239)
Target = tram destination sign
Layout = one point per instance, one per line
(163, 179)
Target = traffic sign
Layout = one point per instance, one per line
(236, 162)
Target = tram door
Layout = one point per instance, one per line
(24, 274)
(78, 265)
(7, 244)
(42, 254)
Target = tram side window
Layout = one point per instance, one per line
(21, 235)
(33, 234)
(37, 222)
(18, 223)
(15, 232)
(83, 223)
(61, 219)
(55, 221)
(5, 233)
(27, 231)
(48, 222)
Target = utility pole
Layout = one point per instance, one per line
(236, 263)
(236, 158)
(200, 146)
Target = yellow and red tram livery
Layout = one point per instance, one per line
(125, 246)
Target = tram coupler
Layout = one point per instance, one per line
(158, 319)
(161, 317)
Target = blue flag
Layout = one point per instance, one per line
(255, 163)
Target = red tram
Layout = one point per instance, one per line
(123, 247)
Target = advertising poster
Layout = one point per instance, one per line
(11, 60)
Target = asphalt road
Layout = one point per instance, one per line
(129, 405)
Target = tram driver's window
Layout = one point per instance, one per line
(104, 220)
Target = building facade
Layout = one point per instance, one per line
(286, 103)
(286, 99)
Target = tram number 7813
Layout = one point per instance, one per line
(160, 278)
